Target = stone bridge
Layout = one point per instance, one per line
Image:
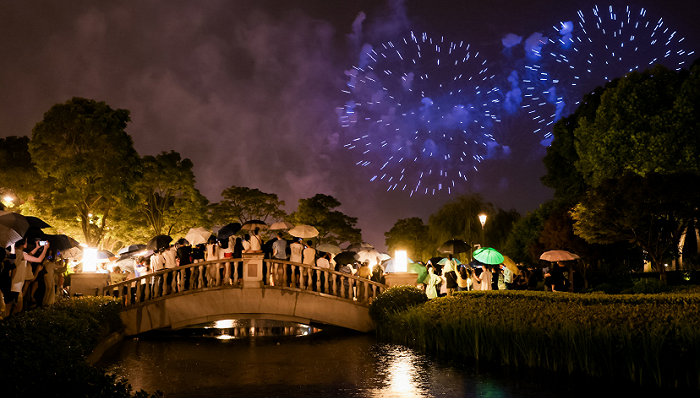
(237, 289)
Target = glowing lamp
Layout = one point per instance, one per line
(8, 199)
(482, 219)
(90, 259)
(401, 261)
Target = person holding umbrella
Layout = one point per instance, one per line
(19, 274)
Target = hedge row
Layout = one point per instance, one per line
(648, 339)
(43, 351)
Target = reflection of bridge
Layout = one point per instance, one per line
(180, 297)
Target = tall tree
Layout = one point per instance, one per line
(168, 201)
(651, 212)
(243, 204)
(333, 226)
(18, 176)
(459, 219)
(83, 148)
(412, 235)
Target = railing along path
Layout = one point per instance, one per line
(226, 273)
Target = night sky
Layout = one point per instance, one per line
(249, 90)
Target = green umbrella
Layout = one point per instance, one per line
(488, 255)
(419, 269)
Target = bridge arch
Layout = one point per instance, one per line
(321, 296)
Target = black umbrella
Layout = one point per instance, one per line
(37, 222)
(34, 233)
(131, 249)
(348, 257)
(359, 246)
(62, 242)
(435, 260)
(454, 246)
(476, 263)
(159, 242)
(228, 231)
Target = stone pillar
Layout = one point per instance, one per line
(88, 283)
(401, 278)
(253, 270)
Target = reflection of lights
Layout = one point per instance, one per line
(400, 375)
(224, 337)
(8, 199)
(224, 324)
(90, 259)
(401, 261)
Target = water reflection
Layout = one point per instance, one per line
(399, 371)
(227, 329)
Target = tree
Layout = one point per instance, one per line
(501, 225)
(18, 176)
(523, 243)
(645, 123)
(168, 202)
(459, 219)
(412, 235)
(244, 204)
(651, 212)
(333, 226)
(83, 150)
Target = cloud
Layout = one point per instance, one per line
(511, 39)
(533, 45)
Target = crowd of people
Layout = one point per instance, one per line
(31, 275)
(448, 276)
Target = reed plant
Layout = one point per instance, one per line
(648, 339)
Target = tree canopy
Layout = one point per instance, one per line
(241, 204)
(82, 149)
(333, 226)
(412, 235)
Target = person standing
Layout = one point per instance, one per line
(170, 256)
(308, 258)
(450, 275)
(296, 255)
(279, 252)
(18, 275)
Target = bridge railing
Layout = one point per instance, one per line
(223, 273)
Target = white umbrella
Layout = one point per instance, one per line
(304, 231)
(281, 225)
(558, 255)
(12, 227)
(197, 236)
(328, 248)
(373, 256)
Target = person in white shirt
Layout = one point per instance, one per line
(19, 274)
(170, 256)
(296, 249)
(323, 262)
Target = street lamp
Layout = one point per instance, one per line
(482, 220)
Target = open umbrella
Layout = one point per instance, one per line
(357, 246)
(488, 255)
(558, 255)
(159, 242)
(105, 256)
(476, 263)
(444, 261)
(74, 253)
(328, 248)
(510, 264)
(419, 269)
(36, 222)
(13, 226)
(197, 235)
(347, 257)
(281, 225)
(131, 249)
(227, 231)
(34, 233)
(252, 224)
(62, 243)
(435, 260)
(454, 246)
(304, 231)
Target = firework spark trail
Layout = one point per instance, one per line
(577, 56)
(419, 112)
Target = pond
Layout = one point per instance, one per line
(274, 359)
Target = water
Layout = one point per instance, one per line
(268, 359)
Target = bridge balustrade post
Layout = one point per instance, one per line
(173, 284)
(252, 270)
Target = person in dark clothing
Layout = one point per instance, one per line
(238, 253)
(184, 255)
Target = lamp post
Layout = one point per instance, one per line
(482, 220)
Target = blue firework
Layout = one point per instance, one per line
(577, 56)
(418, 113)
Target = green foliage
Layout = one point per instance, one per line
(651, 340)
(395, 299)
(88, 161)
(650, 286)
(333, 226)
(241, 204)
(523, 243)
(18, 175)
(410, 234)
(459, 219)
(43, 351)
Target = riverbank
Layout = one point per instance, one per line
(651, 340)
(48, 351)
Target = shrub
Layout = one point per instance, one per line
(395, 299)
(43, 350)
(650, 286)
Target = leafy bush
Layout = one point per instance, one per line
(43, 350)
(650, 286)
(608, 288)
(395, 299)
(648, 339)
